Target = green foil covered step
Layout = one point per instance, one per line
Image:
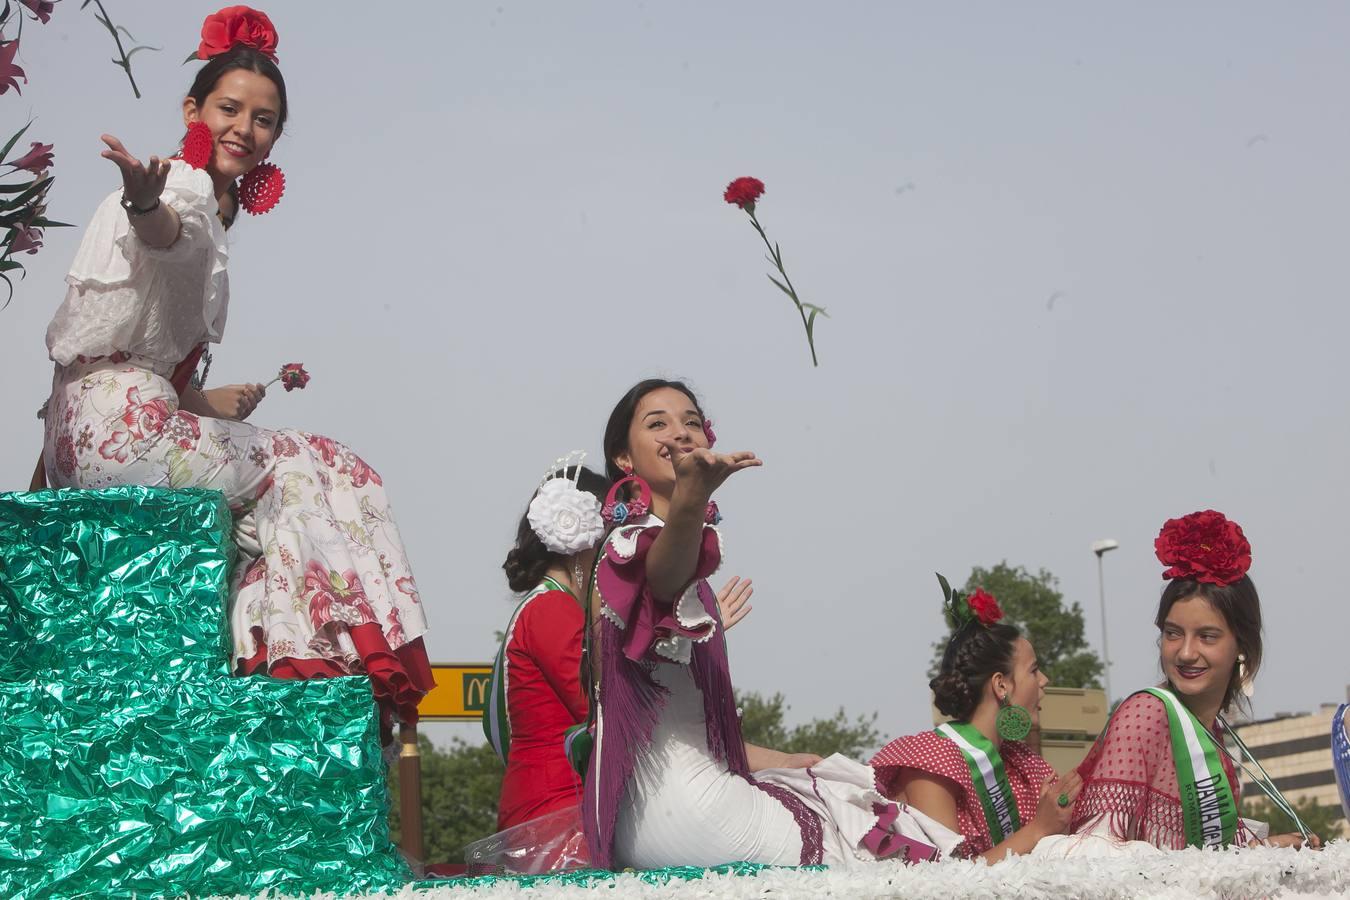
(125, 582)
(130, 762)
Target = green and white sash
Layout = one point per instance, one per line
(988, 777)
(496, 722)
(1207, 802)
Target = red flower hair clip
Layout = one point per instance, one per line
(984, 606)
(961, 611)
(235, 25)
(1204, 546)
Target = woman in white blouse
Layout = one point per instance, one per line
(323, 585)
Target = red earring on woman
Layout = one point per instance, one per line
(261, 189)
(198, 145)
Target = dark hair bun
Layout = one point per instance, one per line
(525, 567)
(952, 697)
(976, 653)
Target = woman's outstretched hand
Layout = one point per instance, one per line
(733, 601)
(235, 401)
(141, 183)
(700, 472)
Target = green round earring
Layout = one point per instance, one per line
(1013, 722)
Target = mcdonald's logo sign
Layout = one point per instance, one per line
(460, 694)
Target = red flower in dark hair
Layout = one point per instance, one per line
(984, 606)
(238, 25)
(1204, 546)
(198, 146)
(743, 192)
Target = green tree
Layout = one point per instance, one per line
(762, 724)
(1034, 603)
(1324, 821)
(460, 788)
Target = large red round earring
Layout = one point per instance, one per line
(261, 189)
(198, 145)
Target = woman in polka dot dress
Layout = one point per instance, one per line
(974, 774)
(1209, 622)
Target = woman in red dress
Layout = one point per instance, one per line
(974, 774)
(537, 692)
(1209, 641)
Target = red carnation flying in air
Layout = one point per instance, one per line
(745, 193)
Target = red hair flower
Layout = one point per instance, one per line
(984, 606)
(1204, 546)
(709, 433)
(743, 192)
(198, 146)
(238, 25)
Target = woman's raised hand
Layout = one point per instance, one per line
(141, 183)
(701, 471)
(733, 601)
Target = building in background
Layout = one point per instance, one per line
(1295, 749)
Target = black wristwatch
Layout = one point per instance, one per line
(134, 210)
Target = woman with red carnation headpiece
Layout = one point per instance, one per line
(323, 586)
(974, 774)
(1160, 773)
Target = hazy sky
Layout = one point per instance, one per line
(1085, 266)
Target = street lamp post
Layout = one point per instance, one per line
(1101, 548)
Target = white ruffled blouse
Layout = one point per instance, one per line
(155, 303)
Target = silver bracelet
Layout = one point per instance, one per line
(133, 210)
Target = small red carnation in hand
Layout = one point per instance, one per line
(238, 25)
(292, 376)
(198, 146)
(1204, 546)
(743, 192)
(984, 606)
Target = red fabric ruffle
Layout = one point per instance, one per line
(400, 678)
(934, 754)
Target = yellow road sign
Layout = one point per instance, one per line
(460, 695)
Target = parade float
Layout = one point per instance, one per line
(133, 764)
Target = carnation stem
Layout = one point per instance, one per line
(777, 260)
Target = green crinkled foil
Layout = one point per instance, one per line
(129, 762)
(127, 581)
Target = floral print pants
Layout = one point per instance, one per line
(320, 554)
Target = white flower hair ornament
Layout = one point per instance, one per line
(566, 518)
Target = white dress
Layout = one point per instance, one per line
(686, 808)
(322, 586)
(668, 769)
